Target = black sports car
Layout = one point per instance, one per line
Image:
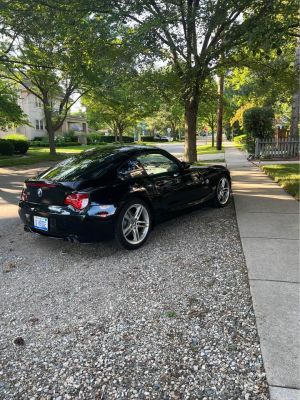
(116, 191)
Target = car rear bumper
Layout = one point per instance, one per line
(66, 224)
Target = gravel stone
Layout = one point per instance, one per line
(171, 320)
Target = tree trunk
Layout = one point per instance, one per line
(50, 131)
(191, 111)
(220, 112)
(120, 132)
(296, 98)
(121, 136)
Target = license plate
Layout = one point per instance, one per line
(41, 223)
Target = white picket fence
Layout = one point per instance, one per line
(277, 148)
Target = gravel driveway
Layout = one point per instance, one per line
(171, 320)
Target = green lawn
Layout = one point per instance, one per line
(208, 150)
(41, 154)
(286, 175)
(31, 157)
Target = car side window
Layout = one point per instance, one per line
(156, 163)
(131, 169)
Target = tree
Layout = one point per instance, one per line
(267, 81)
(187, 35)
(10, 111)
(207, 114)
(257, 123)
(296, 96)
(57, 60)
(120, 101)
(164, 85)
(53, 88)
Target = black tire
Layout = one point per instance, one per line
(222, 191)
(133, 224)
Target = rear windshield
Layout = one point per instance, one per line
(89, 164)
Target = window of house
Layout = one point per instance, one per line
(38, 102)
(39, 124)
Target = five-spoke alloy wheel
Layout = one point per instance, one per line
(133, 225)
(222, 192)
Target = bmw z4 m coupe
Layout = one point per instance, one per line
(116, 191)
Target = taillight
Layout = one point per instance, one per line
(78, 201)
(24, 195)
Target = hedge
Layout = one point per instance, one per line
(44, 144)
(152, 139)
(20, 146)
(6, 148)
(111, 139)
(147, 139)
(161, 140)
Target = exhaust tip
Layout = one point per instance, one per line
(28, 229)
(71, 239)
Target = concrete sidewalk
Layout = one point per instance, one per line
(268, 221)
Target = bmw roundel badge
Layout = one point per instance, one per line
(40, 192)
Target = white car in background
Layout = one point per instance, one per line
(169, 139)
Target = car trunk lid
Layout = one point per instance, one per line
(40, 192)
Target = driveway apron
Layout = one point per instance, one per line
(268, 221)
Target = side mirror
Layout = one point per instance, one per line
(185, 165)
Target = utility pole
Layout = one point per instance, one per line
(220, 111)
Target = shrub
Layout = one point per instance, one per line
(95, 137)
(20, 146)
(60, 139)
(147, 139)
(257, 123)
(16, 136)
(35, 143)
(37, 139)
(6, 148)
(70, 136)
(62, 144)
(240, 139)
(127, 139)
(160, 140)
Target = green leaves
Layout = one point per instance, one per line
(10, 111)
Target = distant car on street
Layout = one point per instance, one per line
(169, 139)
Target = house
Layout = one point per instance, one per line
(33, 108)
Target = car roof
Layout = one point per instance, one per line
(83, 165)
(132, 149)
